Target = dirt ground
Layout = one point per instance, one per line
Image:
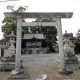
(51, 71)
(4, 75)
(36, 65)
(54, 75)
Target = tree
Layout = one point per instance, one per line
(10, 24)
(77, 42)
(49, 32)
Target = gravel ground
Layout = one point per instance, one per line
(36, 65)
(50, 70)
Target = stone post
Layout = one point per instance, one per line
(60, 41)
(18, 43)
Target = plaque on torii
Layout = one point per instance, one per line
(50, 15)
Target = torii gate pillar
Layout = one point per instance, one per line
(52, 15)
(60, 41)
(18, 43)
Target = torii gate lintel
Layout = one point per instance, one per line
(50, 15)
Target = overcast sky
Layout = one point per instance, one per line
(71, 25)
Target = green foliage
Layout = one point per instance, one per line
(20, 9)
(77, 43)
(47, 50)
(10, 24)
(78, 37)
(49, 32)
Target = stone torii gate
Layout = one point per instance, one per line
(50, 15)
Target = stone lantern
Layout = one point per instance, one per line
(71, 60)
(68, 44)
(7, 62)
(11, 49)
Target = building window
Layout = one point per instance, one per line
(38, 43)
(28, 43)
(33, 43)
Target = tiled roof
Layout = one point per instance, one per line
(30, 36)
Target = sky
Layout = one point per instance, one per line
(71, 24)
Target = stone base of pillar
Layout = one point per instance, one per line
(7, 64)
(17, 75)
(65, 72)
(73, 66)
(16, 72)
(71, 61)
